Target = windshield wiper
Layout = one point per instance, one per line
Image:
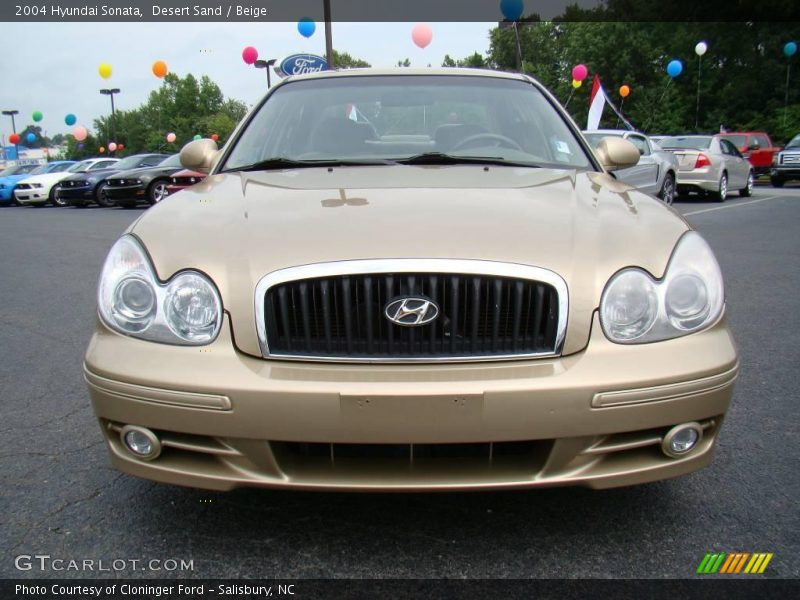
(440, 158)
(280, 162)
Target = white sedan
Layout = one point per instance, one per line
(38, 190)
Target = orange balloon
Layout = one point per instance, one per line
(102, 149)
(624, 91)
(159, 69)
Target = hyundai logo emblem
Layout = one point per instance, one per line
(411, 311)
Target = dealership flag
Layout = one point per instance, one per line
(597, 102)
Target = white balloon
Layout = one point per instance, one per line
(700, 48)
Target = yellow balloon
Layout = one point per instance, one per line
(105, 70)
(576, 84)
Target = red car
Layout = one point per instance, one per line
(184, 179)
(755, 146)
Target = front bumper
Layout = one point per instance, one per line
(785, 173)
(6, 194)
(595, 418)
(32, 195)
(70, 194)
(127, 192)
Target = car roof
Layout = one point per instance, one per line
(438, 71)
(613, 131)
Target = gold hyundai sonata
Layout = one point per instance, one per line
(410, 280)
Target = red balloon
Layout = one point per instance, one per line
(120, 146)
(422, 34)
(249, 55)
(14, 138)
(214, 137)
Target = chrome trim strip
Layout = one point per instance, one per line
(412, 265)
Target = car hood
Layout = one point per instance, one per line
(99, 174)
(13, 179)
(238, 227)
(46, 179)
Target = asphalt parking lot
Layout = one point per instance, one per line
(61, 497)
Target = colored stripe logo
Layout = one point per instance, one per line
(734, 563)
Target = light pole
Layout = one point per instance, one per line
(265, 64)
(111, 92)
(11, 114)
(326, 9)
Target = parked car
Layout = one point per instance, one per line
(183, 179)
(83, 189)
(38, 190)
(453, 294)
(755, 146)
(787, 164)
(89, 166)
(126, 188)
(10, 177)
(710, 164)
(656, 169)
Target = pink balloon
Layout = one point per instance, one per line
(249, 55)
(422, 34)
(80, 133)
(579, 72)
(112, 146)
(171, 137)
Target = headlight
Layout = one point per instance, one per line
(636, 308)
(37, 185)
(90, 180)
(186, 310)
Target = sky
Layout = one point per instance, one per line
(55, 68)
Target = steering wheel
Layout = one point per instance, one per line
(495, 137)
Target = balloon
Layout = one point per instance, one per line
(512, 9)
(197, 137)
(112, 146)
(624, 91)
(422, 34)
(579, 72)
(249, 55)
(214, 137)
(700, 48)
(70, 119)
(120, 147)
(306, 27)
(159, 69)
(80, 146)
(170, 137)
(80, 133)
(576, 84)
(790, 49)
(31, 137)
(674, 68)
(14, 138)
(101, 149)
(37, 115)
(104, 70)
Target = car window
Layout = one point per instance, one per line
(397, 117)
(697, 142)
(171, 161)
(61, 167)
(103, 164)
(740, 141)
(640, 143)
(728, 148)
(761, 140)
(594, 138)
(151, 161)
(794, 143)
(38, 170)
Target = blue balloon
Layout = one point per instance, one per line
(306, 27)
(512, 9)
(674, 68)
(31, 137)
(80, 146)
(70, 119)
(790, 49)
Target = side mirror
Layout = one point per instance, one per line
(615, 153)
(199, 155)
(754, 146)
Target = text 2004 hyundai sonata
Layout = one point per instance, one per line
(410, 280)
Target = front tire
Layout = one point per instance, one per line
(667, 193)
(157, 191)
(747, 190)
(58, 202)
(722, 189)
(100, 196)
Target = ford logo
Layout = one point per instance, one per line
(297, 64)
(411, 311)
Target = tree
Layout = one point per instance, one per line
(474, 61)
(342, 60)
(404, 63)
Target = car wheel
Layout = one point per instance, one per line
(748, 189)
(667, 193)
(58, 201)
(722, 188)
(157, 191)
(100, 196)
(777, 182)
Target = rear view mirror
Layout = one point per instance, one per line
(199, 155)
(615, 153)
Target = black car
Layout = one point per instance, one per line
(127, 188)
(82, 189)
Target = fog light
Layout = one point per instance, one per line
(141, 442)
(682, 439)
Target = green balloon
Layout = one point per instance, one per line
(37, 116)
(198, 137)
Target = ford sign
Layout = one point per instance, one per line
(297, 64)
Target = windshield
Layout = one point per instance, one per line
(171, 161)
(128, 163)
(740, 141)
(692, 143)
(795, 143)
(594, 138)
(81, 166)
(379, 118)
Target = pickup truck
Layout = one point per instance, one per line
(755, 146)
(787, 164)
